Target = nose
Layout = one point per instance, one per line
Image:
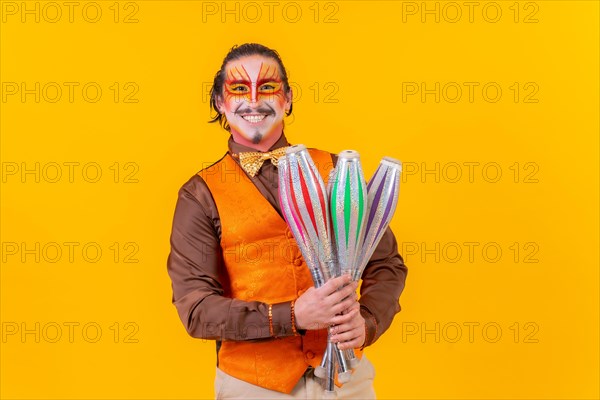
(253, 95)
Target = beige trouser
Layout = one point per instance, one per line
(308, 387)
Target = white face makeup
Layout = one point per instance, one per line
(254, 101)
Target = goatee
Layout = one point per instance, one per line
(257, 137)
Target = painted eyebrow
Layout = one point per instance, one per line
(265, 80)
(236, 81)
(246, 82)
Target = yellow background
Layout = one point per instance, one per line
(362, 60)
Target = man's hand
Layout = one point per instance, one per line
(349, 329)
(318, 308)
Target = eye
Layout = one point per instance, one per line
(238, 88)
(269, 87)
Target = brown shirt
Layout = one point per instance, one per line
(198, 276)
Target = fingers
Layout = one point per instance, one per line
(347, 291)
(355, 304)
(348, 316)
(349, 329)
(351, 344)
(345, 306)
(342, 301)
(349, 339)
(334, 284)
(322, 305)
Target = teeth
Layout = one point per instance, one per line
(254, 118)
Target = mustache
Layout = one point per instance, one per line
(264, 109)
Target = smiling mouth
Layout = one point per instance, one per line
(254, 118)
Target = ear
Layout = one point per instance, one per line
(219, 104)
(289, 97)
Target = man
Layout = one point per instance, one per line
(237, 275)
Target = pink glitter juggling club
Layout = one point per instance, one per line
(305, 206)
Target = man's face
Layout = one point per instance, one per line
(254, 101)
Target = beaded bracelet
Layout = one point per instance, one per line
(271, 320)
(294, 331)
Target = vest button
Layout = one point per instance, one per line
(297, 262)
(310, 355)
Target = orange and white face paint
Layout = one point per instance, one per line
(254, 101)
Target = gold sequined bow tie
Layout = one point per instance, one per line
(251, 161)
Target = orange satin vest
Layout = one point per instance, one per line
(263, 263)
